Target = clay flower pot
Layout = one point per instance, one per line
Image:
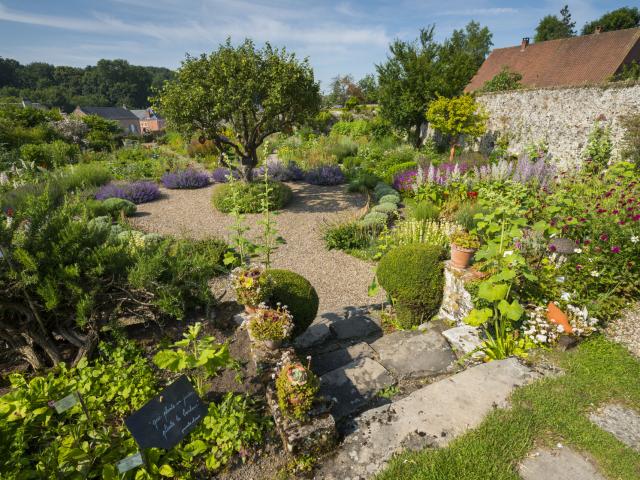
(461, 257)
(250, 309)
(557, 316)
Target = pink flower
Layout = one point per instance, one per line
(604, 237)
(635, 218)
(579, 267)
(615, 249)
(552, 248)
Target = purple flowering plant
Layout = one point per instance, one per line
(325, 175)
(187, 178)
(136, 192)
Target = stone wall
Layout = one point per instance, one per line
(562, 117)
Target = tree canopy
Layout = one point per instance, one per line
(416, 72)
(252, 92)
(625, 17)
(108, 83)
(551, 27)
(503, 81)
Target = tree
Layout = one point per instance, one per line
(551, 27)
(503, 81)
(369, 88)
(457, 116)
(625, 17)
(254, 92)
(416, 72)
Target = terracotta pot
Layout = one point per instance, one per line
(461, 257)
(557, 316)
(250, 309)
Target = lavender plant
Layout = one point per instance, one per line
(136, 192)
(187, 178)
(325, 175)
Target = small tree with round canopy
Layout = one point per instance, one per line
(252, 92)
(457, 116)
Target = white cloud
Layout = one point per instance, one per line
(480, 11)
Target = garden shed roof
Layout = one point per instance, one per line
(110, 113)
(584, 60)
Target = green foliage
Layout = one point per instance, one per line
(457, 116)
(629, 72)
(375, 220)
(355, 128)
(416, 71)
(270, 324)
(50, 155)
(412, 275)
(631, 139)
(390, 198)
(388, 208)
(257, 92)
(599, 148)
(137, 163)
(296, 388)
(103, 134)
(551, 27)
(410, 231)
(503, 81)
(176, 273)
(424, 210)
(464, 239)
(113, 207)
(249, 196)
(619, 19)
(200, 357)
(295, 292)
(465, 215)
(347, 236)
(393, 170)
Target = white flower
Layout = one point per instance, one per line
(635, 239)
(541, 338)
(507, 253)
(565, 296)
(577, 250)
(595, 273)
(560, 328)
(560, 279)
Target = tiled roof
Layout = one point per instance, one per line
(588, 59)
(111, 113)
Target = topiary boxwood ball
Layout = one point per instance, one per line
(413, 276)
(298, 295)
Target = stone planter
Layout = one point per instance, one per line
(272, 344)
(461, 257)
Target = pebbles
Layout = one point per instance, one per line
(626, 329)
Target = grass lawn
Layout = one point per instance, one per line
(544, 413)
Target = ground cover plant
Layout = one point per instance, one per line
(550, 411)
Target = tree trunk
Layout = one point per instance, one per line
(247, 164)
(452, 152)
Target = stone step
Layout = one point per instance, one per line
(432, 415)
(354, 385)
(357, 326)
(558, 464)
(325, 362)
(621, 422)
(411, 354)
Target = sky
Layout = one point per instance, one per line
(338, 36)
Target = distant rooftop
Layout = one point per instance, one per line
(584, 60)
(110, 113)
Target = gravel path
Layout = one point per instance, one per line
(626, 329)
(340, 279)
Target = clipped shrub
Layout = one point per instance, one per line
(388, 208)
(297, 294)
(347, 236)
(248, 196)
(136, 192)
(374, 220)
(325, 175)
(412, 275)
(391, 198)
(112, 207)
(187, 178)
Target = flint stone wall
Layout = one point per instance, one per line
(561, 117)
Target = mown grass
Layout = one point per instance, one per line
(546, 412)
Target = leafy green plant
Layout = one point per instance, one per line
(271, 324)
(599, 148)
(200, 357)
(248, 196)
(412, 275)
(464, 239)
(297, 293)
(503, 81)
(349, 235)
(296, 388)
(252, 284)
(269, 238)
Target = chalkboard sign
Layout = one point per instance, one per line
(168, 418)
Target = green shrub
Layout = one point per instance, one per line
(248, 196)
(111, 207)
(356, 128)
(50, 155)
(388, 208)
(298, 295)
(465, 215)
(375, 220)
(392, 171)
(363, 182)
(347, 236)
(391, 198)
(412, 275)
(424, 210)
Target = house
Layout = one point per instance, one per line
(584, 60)
(128, 121)
(150, 121)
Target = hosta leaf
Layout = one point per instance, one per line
(478, 316)
(492, 292)
(513, 311)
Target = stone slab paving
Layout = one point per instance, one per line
(414, 353)
(317, 333)
(464, 340)
(325, 362)
(358, 326)
(558, 464)
(354, 385)
(622, 422)
(432, 415)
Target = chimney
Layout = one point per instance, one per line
(524, 44)
(599, 29)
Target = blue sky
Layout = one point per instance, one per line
(339, 36)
